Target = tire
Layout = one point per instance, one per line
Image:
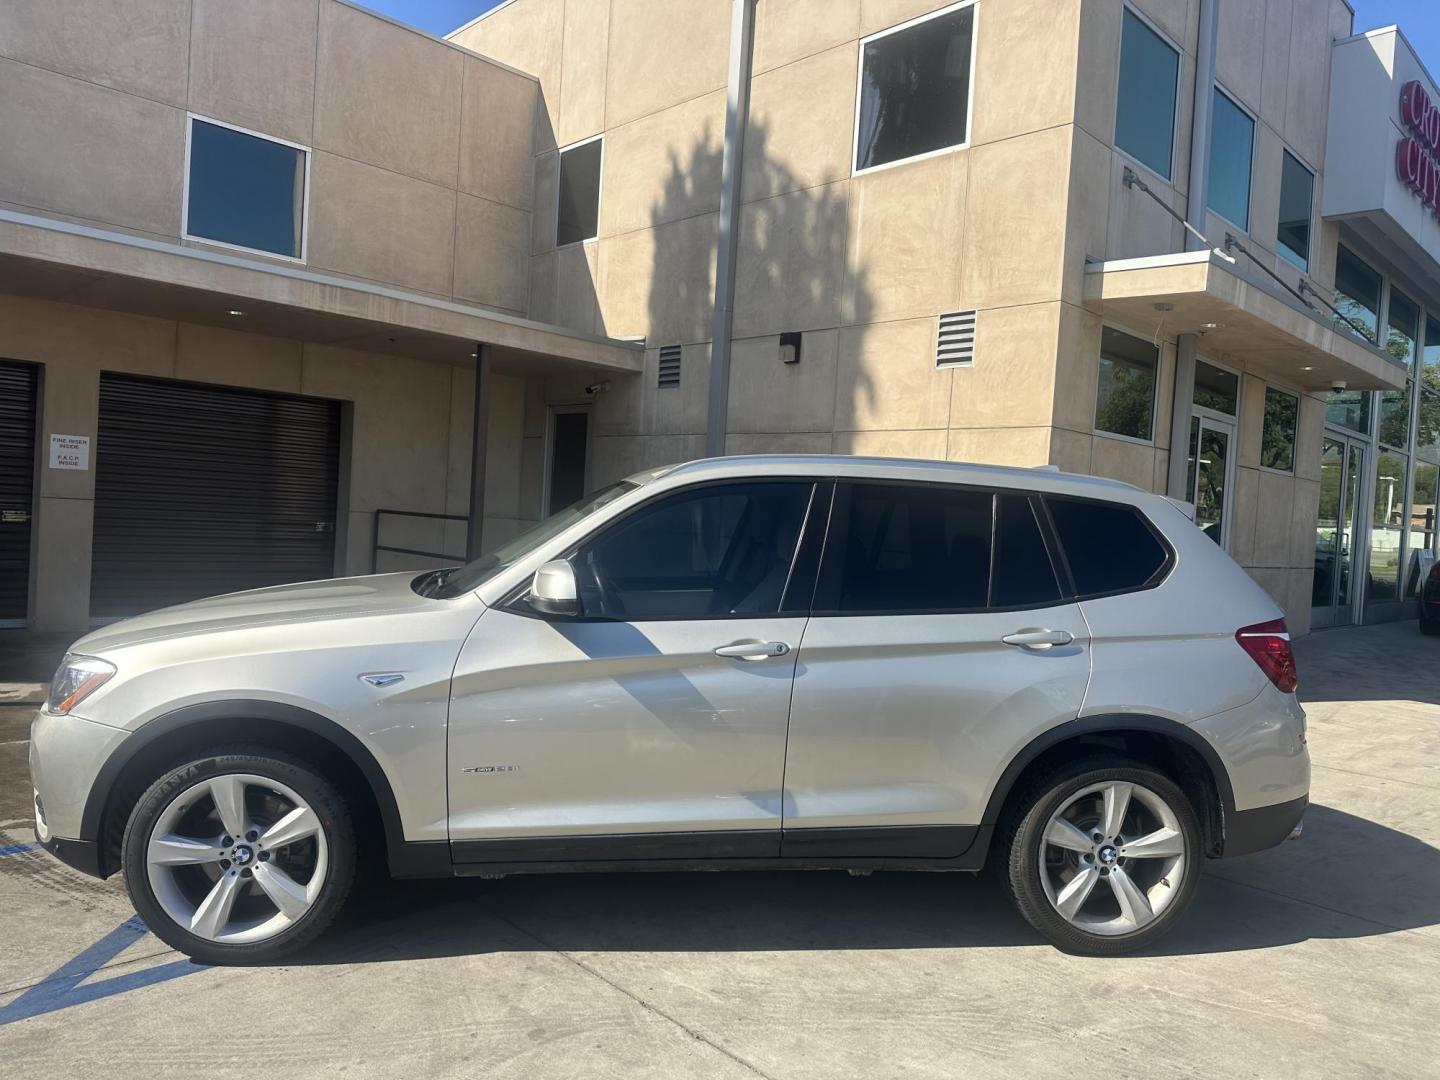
(241, 902)
(1109, 921)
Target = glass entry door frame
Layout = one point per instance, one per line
(1222, 431)
(1340, 600)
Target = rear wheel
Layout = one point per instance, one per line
(1104, 856)
(239, 857)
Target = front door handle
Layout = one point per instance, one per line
(1038, 639)
(753, 650)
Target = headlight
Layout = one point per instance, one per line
(77, 679)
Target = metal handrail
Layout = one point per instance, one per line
(376, 547)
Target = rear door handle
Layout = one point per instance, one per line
(753, 650)
(1038, 639)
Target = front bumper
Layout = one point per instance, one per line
(66, 755)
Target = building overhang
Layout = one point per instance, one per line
(49, 259)
(1200, 293)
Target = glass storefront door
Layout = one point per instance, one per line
(1208, 479)
(1337, 543)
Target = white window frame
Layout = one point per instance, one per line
(1314, 188)
(1154, 397)
(1169, 181)
(855, 170)
(599, 192)
(1250, 169)
(186, 234)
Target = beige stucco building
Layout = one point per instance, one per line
(993, 268)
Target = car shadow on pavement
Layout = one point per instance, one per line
(1302, 890)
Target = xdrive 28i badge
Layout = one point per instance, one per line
(490, 768)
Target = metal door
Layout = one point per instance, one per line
(17, 487)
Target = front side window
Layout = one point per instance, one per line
(1125, 400)
(245, 190)
(908, 547)
(708, 552)
(1232, 134)
(1357, 294)
(1277, 440)
(1109, 546)
(1145, 107)
(1297, 199)
(915, 89)
(577, 216)
(1022, 574)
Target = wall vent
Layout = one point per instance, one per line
(669, 367)
(955, 339)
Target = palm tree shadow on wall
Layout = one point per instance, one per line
(792, 274)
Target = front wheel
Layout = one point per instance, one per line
(238, 857)
(1104, 857)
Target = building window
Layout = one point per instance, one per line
(1357, 293)
(1232, 145)
(1297, 201)
(1277, 439)
(1145, 107)
(577, 217)
(915, 88)
(1216, 388)
(1402, 333)
(245, 190)
(1125, 401)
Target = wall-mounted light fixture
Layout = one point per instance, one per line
(790, 347)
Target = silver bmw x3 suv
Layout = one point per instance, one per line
(748, 663)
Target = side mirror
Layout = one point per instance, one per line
(553, 592)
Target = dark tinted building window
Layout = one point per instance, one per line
(915, 89)
(578, 215)
(1022, 575)
(1357, 293)
(1109, 546)
(1277, 439)
(909, 547)
(245, 190)
(1232, 150)
(1125, 394)
(711, 551)
(1145, 107)
(1297, 200)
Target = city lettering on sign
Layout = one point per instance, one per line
(1417, 157)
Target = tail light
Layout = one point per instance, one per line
(1268, 644)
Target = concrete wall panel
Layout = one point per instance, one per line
(492, 254)
(253, 64)
(497, 133)
(661, 56)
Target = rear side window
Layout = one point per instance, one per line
(1110, 547)
(1022, 575)
(908, 547)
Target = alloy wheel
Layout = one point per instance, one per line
(237, 858)
(1112, 858)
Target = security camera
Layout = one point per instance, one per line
(595, 388)
(1337, 386)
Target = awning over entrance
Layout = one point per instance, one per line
(1200, 293)
(48, 259)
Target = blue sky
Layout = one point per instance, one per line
(1420, 19)
(436, 16)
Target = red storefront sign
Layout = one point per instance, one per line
(1417, 157)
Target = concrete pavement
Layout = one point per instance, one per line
(1319, 959)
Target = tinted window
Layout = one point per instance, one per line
(578, 215)
(1022, 575)
(1277, 443)
(915, 90)
(1297, 197)
(1216, 389)
(1109, 546)
(711, 551)
(245, 190)
(1233, 142)
(1357, 293)
(1145, 109)
(1125, 398)
(909, 548)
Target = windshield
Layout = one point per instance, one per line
(457, 580)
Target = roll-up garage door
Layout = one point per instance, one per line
(17, 486)
(202, 490)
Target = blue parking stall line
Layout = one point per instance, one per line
(66, 986)
(17, 849)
